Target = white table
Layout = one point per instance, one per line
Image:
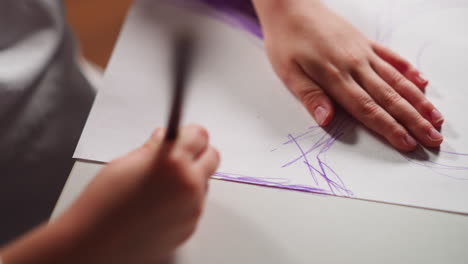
(250, 224)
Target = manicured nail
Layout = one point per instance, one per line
(436, 116)
(410, 141)
(434, 135)
(320, 115)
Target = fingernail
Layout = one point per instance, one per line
(320, 115)
(434, 135)
(410, 141)
(421, 78)
(436, 116)
(158, 132)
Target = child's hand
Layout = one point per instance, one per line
(319, 55)
(138, 209)
(149, 201)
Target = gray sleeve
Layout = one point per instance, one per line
(44, 102)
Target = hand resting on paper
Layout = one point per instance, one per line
(138, 209)
(323, 59)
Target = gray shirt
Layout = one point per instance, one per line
(44, 102)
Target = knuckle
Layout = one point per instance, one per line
(297, 23)
(422, 124)
(397, 80)
(368, 107)
(426, 106)
(396, 130)
(309, 96)
(332, 72)
(353, 59)
(176, 161)
(391, 98)
(191, 184)
(189, 187)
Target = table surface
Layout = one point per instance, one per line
(252, 224)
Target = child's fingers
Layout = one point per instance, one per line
(209, 161)
(401, 64)
(156, 137)
(153, 143)
(193, 140)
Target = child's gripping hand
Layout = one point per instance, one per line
(147, 203)
(322, 58)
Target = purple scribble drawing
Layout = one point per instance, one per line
(312, 146)
(270, 182)
(313, 157)
(314, 143)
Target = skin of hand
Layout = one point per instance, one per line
(321, 57)
(138, 209)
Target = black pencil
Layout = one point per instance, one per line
(182, 54)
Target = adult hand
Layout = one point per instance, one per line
(322, 58)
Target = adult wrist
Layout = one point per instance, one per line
(275, 15)
(274, 8)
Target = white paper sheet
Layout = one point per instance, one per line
(264, 134)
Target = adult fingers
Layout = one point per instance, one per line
(314, 99)
(401, 64)
(398, 107)
(408, 91)
(365, 109)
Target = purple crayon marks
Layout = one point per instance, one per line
(313, 157)
(270, 182)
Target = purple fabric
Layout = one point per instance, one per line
(244, 7)
(241, 11)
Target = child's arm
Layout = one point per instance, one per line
(321, 57)
(138, 209)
